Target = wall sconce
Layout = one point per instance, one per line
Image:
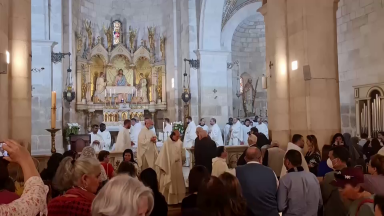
(294, 65)
(4, 61)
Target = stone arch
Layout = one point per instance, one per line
(374, 88)
(210, 24)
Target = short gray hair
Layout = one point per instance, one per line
(121, 196)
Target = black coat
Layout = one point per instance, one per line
(205, 151)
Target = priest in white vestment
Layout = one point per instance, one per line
(135, 130)
(189, 138)
(236, 133)
(146, 148)
(170, 165)
(203, 125)
(123, 140)
(296, 144)
(168, 127)
(227, 131)
(215, 133)
(97, 141)
(262, 128)
(106, 135)
(245, 129)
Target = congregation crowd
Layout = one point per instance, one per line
(343, 179)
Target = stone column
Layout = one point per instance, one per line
(277, 70)
(4, 97)
(20, 70)
(315, 104)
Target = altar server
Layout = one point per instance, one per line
(135, 130)
(97, 141)
(216, 133)
(261, 127)
(246, 128)
(106, 135)
(168, 127)
(170, 164)
(236, 134)
(227, 131)
(146, 148)
(203, 125)
(189, 138)
(123, 140)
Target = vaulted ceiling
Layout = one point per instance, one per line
(232, 6)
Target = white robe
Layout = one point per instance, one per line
(189, 139)
(168, 128)
(227, 134)
(153, 130)
(99, 138)
(219, 166)
(262, 128)
(216, 135)
(123, 140)
(146, 150)
(106, 135)
(236, 135)
(100, 88)
(303, 161)
(135, 130)
(246, 130)
(205, 127)
(170, 171)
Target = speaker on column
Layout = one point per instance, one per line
(307, 72)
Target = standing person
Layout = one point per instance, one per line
(338, 140)
(168, 127)
(237, 202)
(380, 137)
(263, 128)
(104, 161)
(135, 130)
(128, 168)
(246, 128)
(123, 140)
(296, 144)
(364, 139)
(236, 134)
(149, 179)
(333, 203)
(205, 149)
(219, 163)
(97, 141)
(147, 150)
(106, 135)
(259, 185)
(349, 181)
(373, 182)
(274, 158)
(227, 131)
(202, 124)
(324, 168)
(170, 163)
(128, 157)
(189, 138)
(252, 140)
(298, 186)
(53, 163)
(313, 157)
(215, 133)
(371, 148)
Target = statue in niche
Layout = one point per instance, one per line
(88, 28)
(120, 80)
(132, 37)
(79, 41)
(109, 33)
(162, 47)
(142, 90)
(151, 37)
(100, 88)
(249, 95)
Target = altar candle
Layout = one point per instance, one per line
(53, 109)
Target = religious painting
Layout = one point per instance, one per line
(116, 32)
(119, 73)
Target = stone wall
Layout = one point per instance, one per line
(360, 49)
(248, 47)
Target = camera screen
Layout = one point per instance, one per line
(2, 151)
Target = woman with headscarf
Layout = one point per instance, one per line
(89, 152)
(205, 149)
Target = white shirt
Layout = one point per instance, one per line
(245, 133)
(216, 135)
(106, 135)
(97, 137)
(262, 128)
(123, 140)
(167, 128)
(205, 127)
(255, 162)
(190, 135)
(135, 130)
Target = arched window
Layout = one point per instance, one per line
(116, 32)
(241, 85)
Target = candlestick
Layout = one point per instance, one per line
(53, 140)
(53, 109)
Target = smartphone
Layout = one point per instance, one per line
(3, 153)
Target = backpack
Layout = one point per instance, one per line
(362, 203)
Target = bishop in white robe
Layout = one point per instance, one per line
(215, 133)
(245, 129)
(97, 141)
(227, 131)
(236, 133)
(106, 135)
(170, 165)
(135, 130)
(146, 148)
(189, 138)
(123, 140)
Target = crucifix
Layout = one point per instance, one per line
(270, 65)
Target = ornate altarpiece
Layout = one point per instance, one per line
(142, 90)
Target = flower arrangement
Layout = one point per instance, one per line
(73, 129)
(178, 126)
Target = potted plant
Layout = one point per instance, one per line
(73, 129)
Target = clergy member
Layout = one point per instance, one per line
(168, 127)
(296, 144)
(236, 134)
(153, 128)
(227, 129)
(261, 127)
(146, 148)
(135, 130)
(123, 140)
(97, 141)
(189, 138)
(170, 163)
(106, 136)
(216, 133)
(246, 128)
(203, 125)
